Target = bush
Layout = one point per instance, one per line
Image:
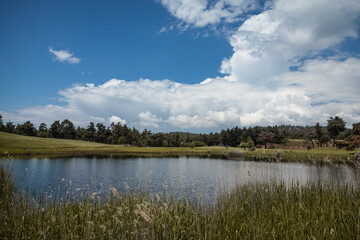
(42, 134)
(196, 144)
(272, 146)
(243, 145)
(342, 144)
(355, 143)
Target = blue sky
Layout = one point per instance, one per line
(116, 39)
(180, 65)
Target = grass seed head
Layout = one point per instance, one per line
(145, 216)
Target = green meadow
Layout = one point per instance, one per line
(24, 146)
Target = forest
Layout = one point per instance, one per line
(251, 137)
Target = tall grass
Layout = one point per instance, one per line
(253, 211)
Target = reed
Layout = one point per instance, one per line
(252, 211)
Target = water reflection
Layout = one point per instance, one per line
(181, 177)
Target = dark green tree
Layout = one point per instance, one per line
(80, 133)
(135, 136)
(234, 136)
(9, 127)
(158, 139)
(90, 132)
(319, 132)
(324, 139)
(26, 129)
(145, 139)
(212, 140)
(279, 135)
(42, 130)
(101, 133)
(109, 137)
(335, 126)
(67, 130)
(345, 134)
(116, 131)
(173, 139)
(54, 131)
(225, 137)
(1, 124)
(254, 133)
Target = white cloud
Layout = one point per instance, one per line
(115, 119)
(200, 13)
(322, 88)
(267, 44)
(259, 88)
(228, 117)
(163, 29)
(64, 56)
(97, 119)
(147, 119)
(326, 80)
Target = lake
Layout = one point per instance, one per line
(190, 177)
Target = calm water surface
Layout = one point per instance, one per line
(181, 177)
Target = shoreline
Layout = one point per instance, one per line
(29, 147)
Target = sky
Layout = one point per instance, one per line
(180, 65)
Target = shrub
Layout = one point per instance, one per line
(196, 144)
(341, 144)
(243, 145)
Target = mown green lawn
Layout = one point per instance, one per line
(16, 145)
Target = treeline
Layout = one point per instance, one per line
(250, 137)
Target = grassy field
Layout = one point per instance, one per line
(260, 211)
(24, 146)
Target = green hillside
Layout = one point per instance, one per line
(23, 145)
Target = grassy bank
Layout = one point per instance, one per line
(23, 146)
(263, 211)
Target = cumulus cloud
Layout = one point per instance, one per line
(267, 44)
(200, 13)
(259, 88)
(116, 119)
(302, 97)
(64, 56)
(148, 119)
